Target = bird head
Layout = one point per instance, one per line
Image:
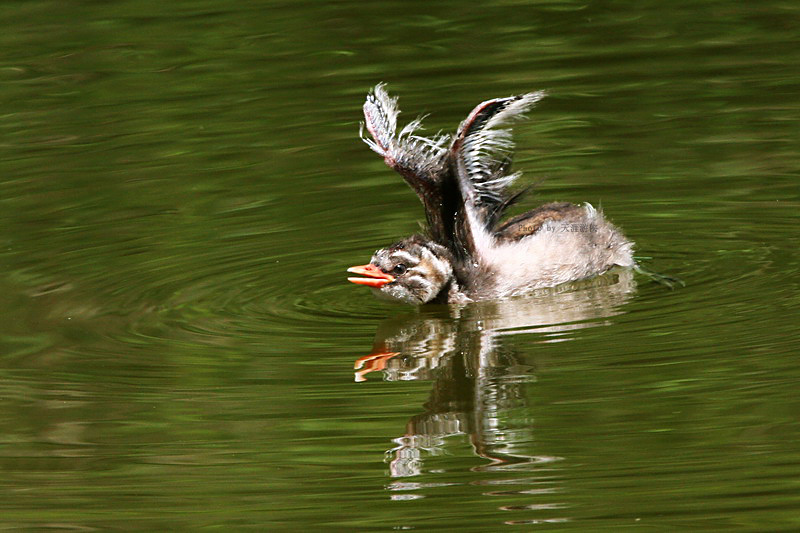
(414, 270)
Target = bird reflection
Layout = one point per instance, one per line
(479, 381)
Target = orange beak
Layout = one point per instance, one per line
(374, 362)
(376, 277)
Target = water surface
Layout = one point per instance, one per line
(182, 188)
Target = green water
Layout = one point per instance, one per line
(182, 188)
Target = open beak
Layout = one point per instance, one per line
(371, 363)
(375, 277)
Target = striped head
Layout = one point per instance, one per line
(414, 271)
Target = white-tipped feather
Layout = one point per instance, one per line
(420, 154)
(411, 127)
(485, 149)
(516, 109)
(381, 113)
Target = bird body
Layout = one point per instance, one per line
(462, 181)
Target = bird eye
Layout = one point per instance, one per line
(399, 270)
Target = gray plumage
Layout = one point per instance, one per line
(463, 183)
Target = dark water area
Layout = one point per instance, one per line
(182, 187)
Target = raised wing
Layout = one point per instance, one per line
(482, 151)
(462, 183)
(481, 155)
(421, 161)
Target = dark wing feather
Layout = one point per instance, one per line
(531, 222)
(481, 155)
(421, 161)
(461, 184)
(482, 151)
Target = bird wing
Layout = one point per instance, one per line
(482, 151)
(481, 155)
(421, 161)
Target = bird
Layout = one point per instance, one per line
(467, 253)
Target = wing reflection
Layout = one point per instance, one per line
(479, 381)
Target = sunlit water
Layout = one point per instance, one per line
(182, 188)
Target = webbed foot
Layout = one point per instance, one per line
(670, 282)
